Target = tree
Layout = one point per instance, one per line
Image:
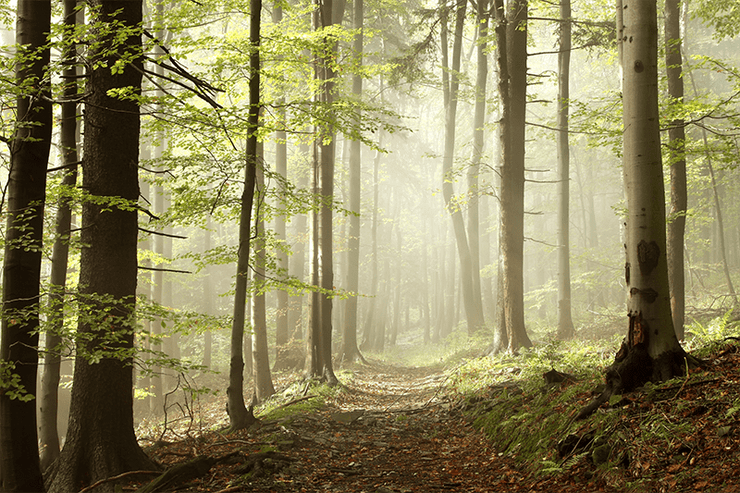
(29, 154)
(471, 298)
(239, 416)
(326, 14)
(49, 393)
(676, 153)
(282, 333)
(350, 351)
(263, 387)
(100, 440)
(511, 34)
(479, 120)
(565, 320)
(651, 351)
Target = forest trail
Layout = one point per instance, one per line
(391, 429)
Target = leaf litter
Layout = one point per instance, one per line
(400, 429)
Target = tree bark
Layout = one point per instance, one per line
(49, 392)
(479, 121)
(29, 154)
(649, 309)
(565, 320)
(101, 441)
(239, 416)
(350, 351)
(676, 148)
(473, 307)
(512, 38)
(260, 353)
(282, 332)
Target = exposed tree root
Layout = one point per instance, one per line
(633, 367)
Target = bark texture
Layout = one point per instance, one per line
(100, 440)
(29, 154)
(676, 149)
(239, 416)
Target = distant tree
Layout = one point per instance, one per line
(100, 440)
(451, 79)
(565, 320)
(29, 154)
(263, 387)
(479, 120)
(350, 351)
(677, 158)
(282, 332)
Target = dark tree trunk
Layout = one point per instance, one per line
(239, 416)
(29, 154)
(49, 392)
(101, 441)
(676, 148)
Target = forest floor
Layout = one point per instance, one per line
(401, 429)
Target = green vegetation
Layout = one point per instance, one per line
(533, 422)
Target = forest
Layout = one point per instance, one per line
(235, 228)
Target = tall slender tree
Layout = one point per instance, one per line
(479, 120)
(565, 320)
(676, 154)
(350, 351)
(239, 416)
(282, 332)
(263, 387)
(68, 134)
(29, 154)
(473, 305)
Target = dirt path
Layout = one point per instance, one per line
(390, 430)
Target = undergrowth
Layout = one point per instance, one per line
(533, 422)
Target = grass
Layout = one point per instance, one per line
(505, 397)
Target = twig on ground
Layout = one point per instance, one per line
(114, 478)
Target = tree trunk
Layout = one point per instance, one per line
(676, 147)
(565, 320)
(282, 332)
(512, 37)
(368, 335)
(473, 307)
(239, 416)
(49, 392)
(101, 441)
(651, 325)
(350, 351)
(479, 121)
(260, 353)
(313, 341)
(29, 154)
(207, 305)
(298, 259)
